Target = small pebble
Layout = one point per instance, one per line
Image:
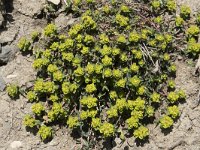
(16, 144)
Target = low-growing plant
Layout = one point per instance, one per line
(113, 69)
(185, 12)
(166, 122)
(24, 44)
(30, 121)
(141, 133)
(173, 111)
(13, 91)
(45, 132)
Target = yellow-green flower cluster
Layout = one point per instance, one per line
(121, 104)
(112, 112)
(137, 114)
(107, 129)
(79, 71)
(134, 37)
(124, 9)
(141, 133)
(141, 90)
(68, 87)
(50, 30)
(24, 44)
(138, 104)
(158, 20)
(67, 45)
(90, 1)
(155, 97)
(88, 39)
(85, 50)
(173, 97)
(172, 68)
(104, 39)
(166, 57)
(117, 73)
(134, 67)
(54, 46)
(179, 21)
(115, 51)
(135, 81)
(90, 88)
(73, 122)
(89, 101)
(52, 68)
(113, 95)
(31, 96)
(54, 98)
(106, 61)
(124, 57)
(193, 47)
(96, 123)
(13, 90)
(150, 111)
(89, 113)
(75, 30)
(121, 83)
(44, 87)
(166, 122)
(173, 111)
(106, 50)
(58, 76)
(121, 39)
(90, 68)
(132, 122)
(193, 30)
(57, 112)
(171, 5)
(121, 20)
(185, 11)
(38, 108)
(88, 22)
(29, 121)
(171, 84)
(47, 54)
(40, 62)
(106, 9)
(45, 132)
(156, 4)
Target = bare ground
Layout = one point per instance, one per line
(184, 135)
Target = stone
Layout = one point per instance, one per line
(56, 2)
(11, 76)
(63, 21)
(186, 124)
(7, 54)
(2, 84)
(118, 141)
(16, 144)
(1, 13)
(197, 67)
(32, 8)
(180, 57)
(7, 36)
(1, 20)
(54, 142)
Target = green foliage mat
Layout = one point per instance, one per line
(112, 70)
